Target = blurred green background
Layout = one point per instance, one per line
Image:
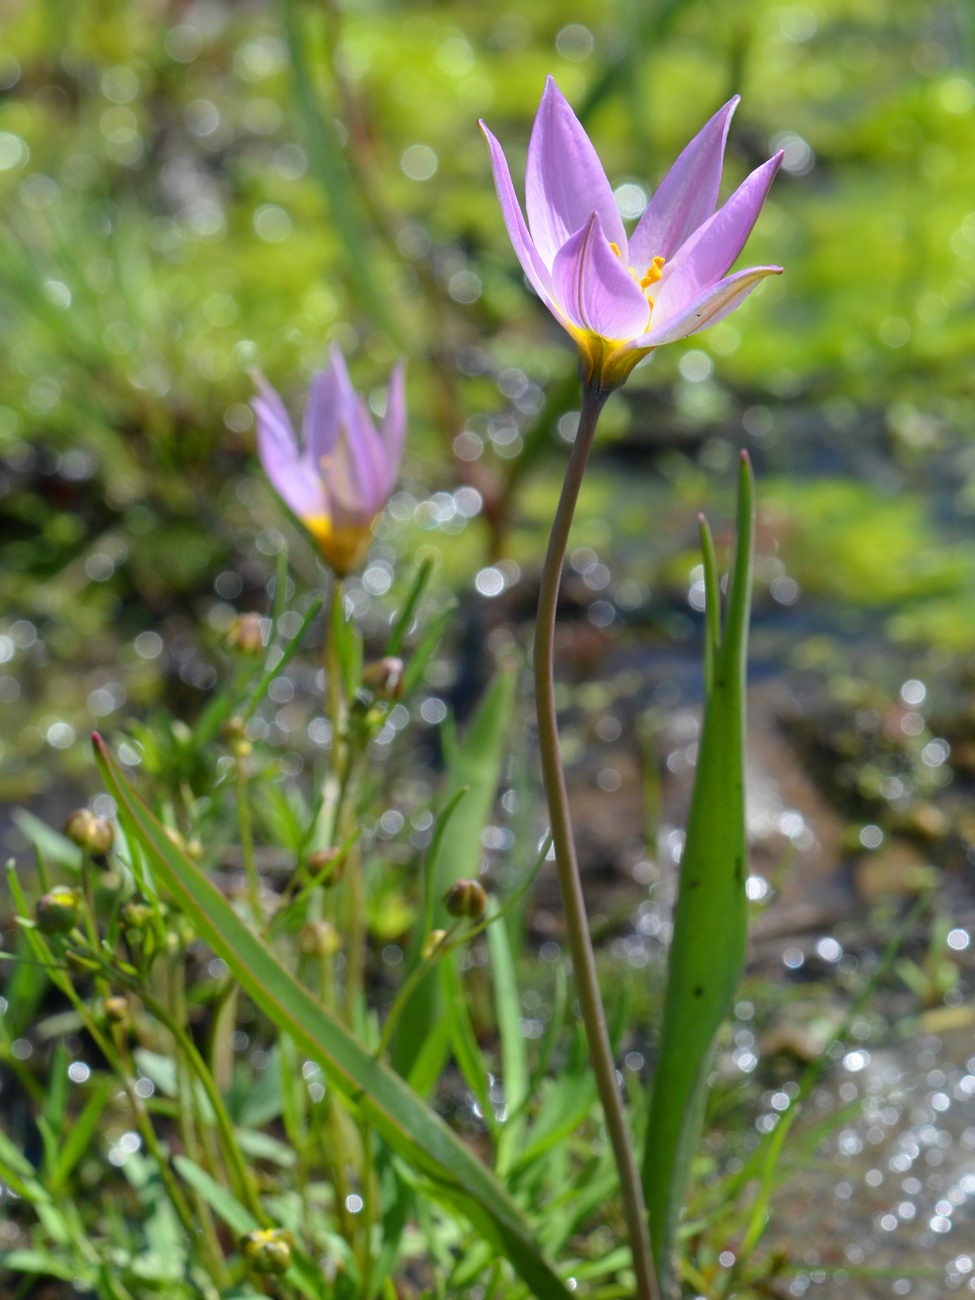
(190, 190)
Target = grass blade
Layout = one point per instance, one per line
(710, 918)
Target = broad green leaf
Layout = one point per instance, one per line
(710, 918)
(383, 1099)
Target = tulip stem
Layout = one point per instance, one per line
(570, 883)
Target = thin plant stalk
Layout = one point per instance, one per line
(570, 883)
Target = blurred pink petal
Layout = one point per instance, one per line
(342, 477)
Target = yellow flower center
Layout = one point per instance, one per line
(342, 549)
(650, 276)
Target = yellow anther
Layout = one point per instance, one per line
(616, 250)
(653, 272)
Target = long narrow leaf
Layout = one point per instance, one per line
(382, 1098)
(474, 763)
(710, 919)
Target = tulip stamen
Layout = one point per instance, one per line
(653, 273)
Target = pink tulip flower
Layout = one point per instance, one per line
(620, 297)
(344, 472)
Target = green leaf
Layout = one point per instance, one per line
(79, 1134)
(404, 618)
(238, 1219)
(382, 1098)
(54, 846)
(279, 665)
(474, 768)
(710, 918)
(40, 1262)
(514, 1061)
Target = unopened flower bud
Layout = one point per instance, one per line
(466, 898)
(385, 678)
(432, 942)
(268, 1250)
(319, 939)
(59, 910)
(94, 834)
(320, 859)
(117, 1010)
(245, 636)
(136, 917)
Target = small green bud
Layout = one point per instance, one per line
(320, 859)
(385, 678)
(466, 898)
(59, 910)
(432, 942)
(268, 1250)
(245, 636)
(94, 834)
(136, 917)
(319, 939)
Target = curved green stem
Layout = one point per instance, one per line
(570, 883)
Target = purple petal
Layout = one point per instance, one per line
(564, 180)
(290, 474)
(687, 194)
(532, 265)
(710, 251)
(594, 288)
(320, 425)
(713, 305)
(358, 474)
